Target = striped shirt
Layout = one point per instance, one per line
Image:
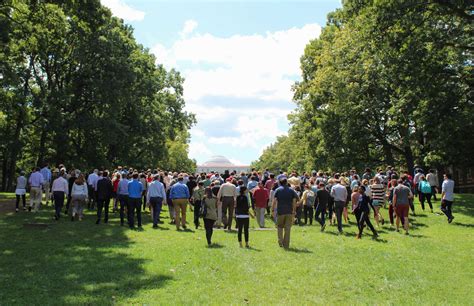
(378, 192)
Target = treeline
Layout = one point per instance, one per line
(386, 83)
(76, 88)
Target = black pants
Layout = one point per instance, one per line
(412, 205)
(208, 225)
(433, 192)
(68, 204)
(339, 208)
(363, 217)
(92, 198)
(446, 207)
(299, 211)
(144, 200)
(103, 203)
(123, 199)
(134, 204)
(308, 213)
(243, 223)
(330, 208)
(23, 199)
(58, 202)
(320, 211)
(197, 208)
(427, 197)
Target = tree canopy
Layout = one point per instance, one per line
(76, 88)
(386, 83)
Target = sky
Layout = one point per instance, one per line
(239, 60)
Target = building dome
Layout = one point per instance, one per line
(218, 160)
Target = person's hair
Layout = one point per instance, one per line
(400, 181)
(135, 175)
(36, 169)
(201, 183)
(356, 188)
(156, 177)
(79, 180)
(367, 169)
(362, 187)
(180, 178)
(242, 190)
(284, 182)
(365, 181)
(307, 186)
(118, 175)
(432, 170)
(377, 180)
(423, 178)
(208, 192)
(321, 184)
(105, 173)
(272, 176)
(448, 175)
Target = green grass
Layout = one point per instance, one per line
(83, 263)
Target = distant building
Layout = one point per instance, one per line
(220, 164)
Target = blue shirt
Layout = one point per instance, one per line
(179, 191)
(135, 189)
(123, 187)
(285, 196)
(46, 173)
(252, 184)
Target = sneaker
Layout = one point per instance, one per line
(450, 220)
(16, 209)
(383, 221)
(323, 227)
(155, 226)
(24, 208)
(160, 222)
(29, 208)
(184, 227)
(357, 236)
(247, 246)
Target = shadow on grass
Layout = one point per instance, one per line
(215, 246)
(297, 250)
(70, 262)
(251, 248)
(461, 224)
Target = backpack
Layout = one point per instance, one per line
(203, 209)
(425, 187)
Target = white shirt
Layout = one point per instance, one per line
(92, 179)
(60, 184)
(79, 189)
(227, 190)
(448, 189)
(339, 193)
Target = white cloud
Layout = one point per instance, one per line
(197, 148)
(251, 66)
(122, 10)
(236, 162)
(189, 26)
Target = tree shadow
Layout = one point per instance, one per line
(251, 248)
(70, 262)
(462, 224)
(215, 246)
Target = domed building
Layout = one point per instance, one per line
(219, 164)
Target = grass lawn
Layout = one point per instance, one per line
(85, 263)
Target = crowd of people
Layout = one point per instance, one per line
(285, 198)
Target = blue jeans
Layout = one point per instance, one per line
(156, 203)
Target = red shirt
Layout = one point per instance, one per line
(269, 185)
(261, 197)
(115, 183)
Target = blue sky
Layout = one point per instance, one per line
(239, 59)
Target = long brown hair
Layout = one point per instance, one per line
(80, 180)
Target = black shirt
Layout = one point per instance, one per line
(322, 197)
(242, 207)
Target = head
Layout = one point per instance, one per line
(284, 182)
(400, 181)
(242, 190)
(361, 189)
(447, 176)
(135, 175)
(321, 186)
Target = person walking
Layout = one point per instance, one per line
(447, 196)
(196, 200)
(105, 190)
(122, 194)
(209, 212)
(135, 189)
(91, 181)
(155, 196)
(401, 201)
(79, 195)
(339, 193)
(20, 190)
(242, 216)
(261, 196)
(60, 189)
(308, 200)
(321, 202)
(425, 193)
(432, 178)
(227, 196)
(284, 203)
(362, 212)
(36, 182)
(46, 173)
(179, 194)
(378, 199)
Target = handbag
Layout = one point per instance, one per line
(203, 209)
